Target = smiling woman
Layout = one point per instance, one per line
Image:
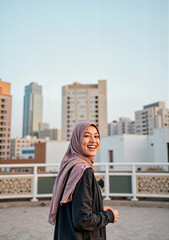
(77, 207)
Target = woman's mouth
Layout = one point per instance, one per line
(91, 147)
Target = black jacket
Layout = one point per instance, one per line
(83, 218)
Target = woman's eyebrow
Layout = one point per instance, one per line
(90, 133)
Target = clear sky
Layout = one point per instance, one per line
(56, 43)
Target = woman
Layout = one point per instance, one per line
(77, 207)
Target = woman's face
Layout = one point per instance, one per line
(90, 141)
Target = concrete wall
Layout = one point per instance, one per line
(161, 138)
(135, 148)
(114, 143)
(55, 151)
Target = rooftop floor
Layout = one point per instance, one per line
(138, 223)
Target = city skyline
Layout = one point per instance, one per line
(56, 44)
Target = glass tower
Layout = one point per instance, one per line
(32, 112)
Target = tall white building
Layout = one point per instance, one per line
(123, 126)
(84, 102)
(32, 113)
(152, 116)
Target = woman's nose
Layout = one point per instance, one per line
(92, 139)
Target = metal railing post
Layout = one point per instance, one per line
(35, 184)
(107, 183)
(134, 183)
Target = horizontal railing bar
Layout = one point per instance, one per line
(30, 165)
(99, 174)
(9, 176)
(152, 174)
(95, 164)
(121, 194)
(120, 174)
(47, 175)
(153, 195)
(44, 195)
(15, 196)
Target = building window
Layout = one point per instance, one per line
(28, 151)
(81, 92)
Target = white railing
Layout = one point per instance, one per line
(107, 173)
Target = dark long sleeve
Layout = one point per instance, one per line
(85, 215)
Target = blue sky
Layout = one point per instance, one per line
(56, 43)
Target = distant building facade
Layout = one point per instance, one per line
(32, 113)
(52, 134)
(18, 143)
(39, 157)
(43, 126)
(27, 152)
(46, 132)
(5, 119)
(84, 102)
(113, 128)
(123, 126)
(152, 116)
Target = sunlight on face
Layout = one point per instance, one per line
(90, 141)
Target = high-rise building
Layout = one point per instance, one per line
(5, 119)
(32, 113)
(84, 102)
(123, 126)
(152, 116)
(126, 126)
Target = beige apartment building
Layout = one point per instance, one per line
(152, 116)
(5, 119)
(124, 126)
(28, 141)
(84, 102)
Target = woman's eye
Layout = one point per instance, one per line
(86, 135)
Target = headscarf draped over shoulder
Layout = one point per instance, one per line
(74, 157)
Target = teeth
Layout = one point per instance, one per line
(92, 147)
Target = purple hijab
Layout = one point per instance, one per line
(75, 158)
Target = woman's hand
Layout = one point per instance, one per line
(115, 212)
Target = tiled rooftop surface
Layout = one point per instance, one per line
(138, 223)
